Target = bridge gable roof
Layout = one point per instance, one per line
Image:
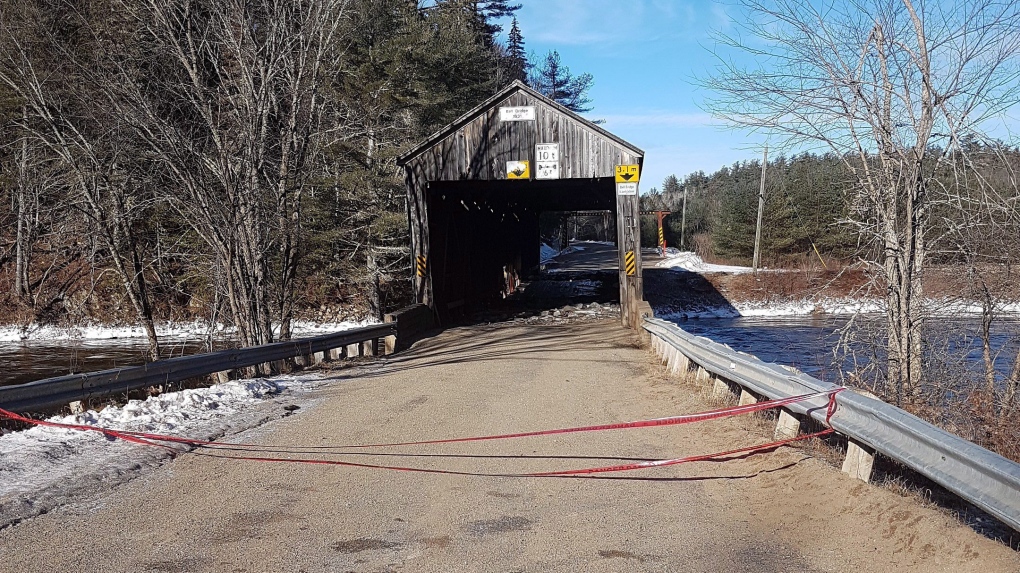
(477, 145)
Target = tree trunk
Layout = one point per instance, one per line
(986, 338)
(22, 241)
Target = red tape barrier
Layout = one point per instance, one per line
(150, 439)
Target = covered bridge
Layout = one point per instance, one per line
(476, 189)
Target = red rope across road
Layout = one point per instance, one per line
(160, 440)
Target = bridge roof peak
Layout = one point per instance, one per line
(554, 123)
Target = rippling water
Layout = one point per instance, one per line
(22, 362)
(807, 342)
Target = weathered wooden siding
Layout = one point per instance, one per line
(480, 149)
(459, 249)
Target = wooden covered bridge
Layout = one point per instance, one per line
(477, 187)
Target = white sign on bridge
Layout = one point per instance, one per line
(626, 188)
(521, 113)
(547, 159)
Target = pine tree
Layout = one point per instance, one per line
(518, 58)
(490, 10)
(555, 81)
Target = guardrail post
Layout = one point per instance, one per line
(76, 407)
(336, 353)
(367, 348)
(669, 358)
(660, 350)
(859, 461)
(683, 363)
(788, 425)
(721, 388)
(390, 344)
(353, 350)
(747, 398)
(221, 376)
(320, 357)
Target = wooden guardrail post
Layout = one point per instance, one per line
(721, 388)
(788, 425)
(860, 460)
(746, 398)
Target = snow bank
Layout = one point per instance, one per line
(40, 467)
(689, 261)
(167, 331)
(835, 307)
(548, 253)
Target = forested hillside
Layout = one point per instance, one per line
(227, 160)
(812, 203)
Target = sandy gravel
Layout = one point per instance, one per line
(782, 511)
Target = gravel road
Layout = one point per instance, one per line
(783, 511)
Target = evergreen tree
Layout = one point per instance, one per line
(555, 81)
(518, 58)
(491, 10)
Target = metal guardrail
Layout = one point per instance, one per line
(984, 478)
(53, 393)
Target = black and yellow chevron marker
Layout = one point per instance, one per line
(421, 265)
(631, 263)
(662, 238)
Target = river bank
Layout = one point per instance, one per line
(171, 331)
(683, 286)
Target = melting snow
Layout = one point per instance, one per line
(689, 261)
(167, 331)
(40, 467)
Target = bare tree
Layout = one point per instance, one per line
(86, 142)
(892, 88)
(230, 111)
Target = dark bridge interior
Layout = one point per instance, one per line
(484, 234)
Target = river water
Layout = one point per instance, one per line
(22, 362)
(806, 342)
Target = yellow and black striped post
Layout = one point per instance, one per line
(421, 265)
(631, 263)
(662, 238)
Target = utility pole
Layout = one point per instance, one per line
(683, 219)
(761, 208)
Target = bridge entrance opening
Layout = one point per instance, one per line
(478, 189)
(486, 239)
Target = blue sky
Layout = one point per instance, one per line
(644, 55)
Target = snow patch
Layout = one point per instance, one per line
(170, 331)
(40, 467)
(835, 307)
(548, 253)
(689, 261)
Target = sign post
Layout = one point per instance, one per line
(628, 231)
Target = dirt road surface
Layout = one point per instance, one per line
(782, 511)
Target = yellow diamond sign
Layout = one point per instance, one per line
(627, 173)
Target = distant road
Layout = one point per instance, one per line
(777, 512)
(598, 257)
